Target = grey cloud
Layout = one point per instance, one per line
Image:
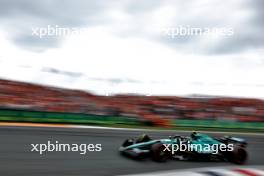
(35, 43)
(78, 74)
(18, 17)
(119, 80)
(114, 80)
(247, 34)
(134, 7)
(62, 72)
(239, 42)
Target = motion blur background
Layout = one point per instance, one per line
(129, 67)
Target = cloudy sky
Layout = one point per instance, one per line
(126, 47)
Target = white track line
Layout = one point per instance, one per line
(157, 130)
(224, 171)
(123, 129)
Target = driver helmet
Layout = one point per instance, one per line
(193, 135)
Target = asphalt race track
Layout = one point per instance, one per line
(17, 159)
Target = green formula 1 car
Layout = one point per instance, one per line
(197, 146)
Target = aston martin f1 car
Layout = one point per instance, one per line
(196, 147)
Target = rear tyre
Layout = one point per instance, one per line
(238, 156)
(158, 153)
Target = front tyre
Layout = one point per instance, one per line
(158, 153)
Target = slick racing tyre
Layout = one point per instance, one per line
(238, 155)
(158, 153)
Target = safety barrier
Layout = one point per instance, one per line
(59, 117)
(80, 118)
